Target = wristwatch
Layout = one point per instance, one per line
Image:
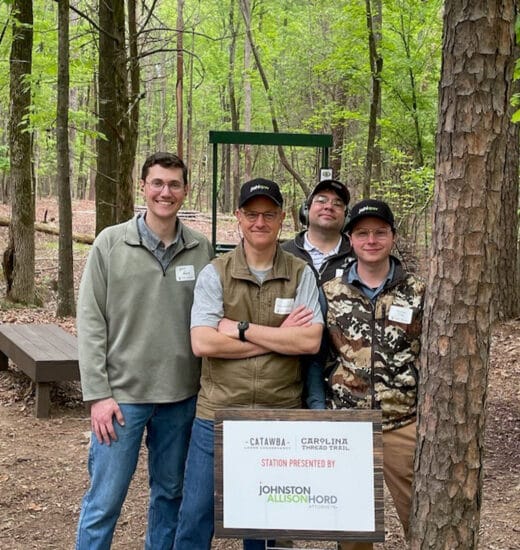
(242, 327)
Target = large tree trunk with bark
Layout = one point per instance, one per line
(66, 303)
(472, 143)
(18, 260)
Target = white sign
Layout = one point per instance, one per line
(301, 475)
(325, 174)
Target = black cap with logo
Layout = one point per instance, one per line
(370, 208)
(334, 185)
(260, 187)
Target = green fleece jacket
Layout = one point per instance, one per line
(134, 318)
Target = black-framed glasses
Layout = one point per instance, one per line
(158, 185)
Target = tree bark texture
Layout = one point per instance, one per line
(19, 256)
(128, 98)
(507, 290)
(66, 303)
(472, 143)
(108, 145)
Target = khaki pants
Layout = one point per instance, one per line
(398, 457)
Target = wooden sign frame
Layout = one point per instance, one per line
(271, 418)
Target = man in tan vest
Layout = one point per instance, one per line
(255, 311)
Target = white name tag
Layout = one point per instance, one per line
(185, 273)
(400, 314)
(283, 306)
(339, 272)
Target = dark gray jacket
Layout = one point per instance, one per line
(330, 265)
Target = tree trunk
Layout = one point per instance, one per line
(180, 77)
(248, 162)
(66, 304)
(19, 256)
(233, 109)
(507, 290)
(128, 98)
(107, 146)
(189, 123)
(472, 144)
(376, 66)
(338, 135)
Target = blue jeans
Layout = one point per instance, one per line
(111, 467)
(196, 516)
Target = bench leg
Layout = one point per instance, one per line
(3, 361)
(43, 399)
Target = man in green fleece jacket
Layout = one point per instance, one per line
(138, 371)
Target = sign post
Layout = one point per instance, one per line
(299, 474)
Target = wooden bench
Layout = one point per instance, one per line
(45, 353)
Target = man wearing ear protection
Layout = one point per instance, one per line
(327, 250)
(138, 372)
(322, 244)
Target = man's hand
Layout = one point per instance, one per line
(228, 327)
(299, 317)
(102, 413)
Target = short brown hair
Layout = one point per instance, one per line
(166, 160)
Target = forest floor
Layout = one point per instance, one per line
(43, 470)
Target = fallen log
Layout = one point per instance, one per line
(53, 230)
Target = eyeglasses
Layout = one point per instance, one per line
(322, 200)
(252, 216)
(379, 234)
(158, 185)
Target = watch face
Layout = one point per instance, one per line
(242, 327)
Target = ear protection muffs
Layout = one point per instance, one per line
(303, 215)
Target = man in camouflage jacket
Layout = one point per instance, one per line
(374, 320)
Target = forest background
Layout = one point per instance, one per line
(308, 67)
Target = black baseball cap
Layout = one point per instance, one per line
(334, 185)
(260, 187)
(372, 208)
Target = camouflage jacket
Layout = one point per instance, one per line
(378, 346)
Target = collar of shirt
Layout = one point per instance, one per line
(152, 243)
(317, 256)
(149, 239)
(371, 293)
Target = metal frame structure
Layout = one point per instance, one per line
(323, 141)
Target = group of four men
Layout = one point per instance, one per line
(153, 301)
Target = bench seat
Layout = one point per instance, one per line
(45, 353)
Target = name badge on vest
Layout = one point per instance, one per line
(185, 273)
(400, 314)
(283, 306)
